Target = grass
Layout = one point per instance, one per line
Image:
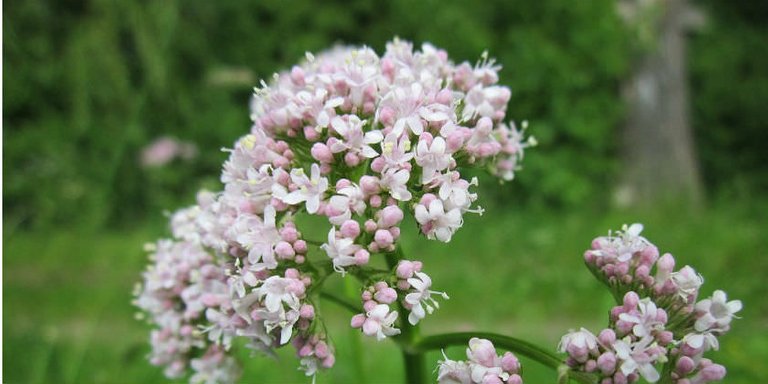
(68, 319)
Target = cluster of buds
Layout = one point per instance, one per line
(665, 327)
(482, 366)
(359, 140)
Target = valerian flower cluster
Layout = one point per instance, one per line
(659, 324)
(361, 141)
(483, 366)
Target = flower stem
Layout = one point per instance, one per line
(515, 345)
(340, 301)
(414, 359)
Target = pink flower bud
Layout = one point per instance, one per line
(289, 234)
(481, 351)
(445, 97)
(515, 379)
(607, 363)
(369, 185)
(305, 351)
(369, 305)
(307, 311)
(284, 250)
(405, 269)
(366, 295)
(509, 362)
(390, 216)
(454, 141)
(311, 134)
(383, 238)
(376, 201)
(607, 336)
(321, 153)
(491, 378)
(350, 229)
(403, 285)
(357, 320)
(321, 349)
(329, 361)
(385, 296)
(395, 231)
(427, 199)
(292, 273)
(300, 246)
(685, 365)
(377, 165)
(351, 159)
(713, 372)
(387, 116)
(630, 300)
(370, 226)
(342, 183)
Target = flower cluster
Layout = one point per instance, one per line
(658, 322)
(482, 366)
(359, 141)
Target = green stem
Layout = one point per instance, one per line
(342, 302)
(515, 345)
(414, 359)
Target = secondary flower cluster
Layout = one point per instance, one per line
(482, 366)
(359, 141)
(659, 321)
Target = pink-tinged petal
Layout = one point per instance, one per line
(443, 234)
(373, 137)
(415, 124)
(412, 298)
(313, 204)
(649, 373)
(399, 127)
(438, 145)
(421, 214)
(371, 327)
(436, 208)
(425, 278)
(285, 335)
(402, 176)
(734, 306)
(294, 197)
(369, 152)
(315, 171)
(339, 125)
(269, 216)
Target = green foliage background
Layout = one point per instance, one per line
(87, 84)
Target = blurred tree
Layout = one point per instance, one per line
(659, 159)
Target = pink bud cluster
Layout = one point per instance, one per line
(482, 366)
(178, 288)
(314, 353)
(360, 140)
(666, 327)
(378, 320)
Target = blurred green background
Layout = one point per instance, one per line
(88, 84)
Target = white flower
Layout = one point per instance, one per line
(421, 297)
(432, 158)
(396, 151)
(687, 282)
(627, 242)
(646, 319)
(454, 191)
(436, 223)
(341, 251)
(259, 237)
(715, 312)
(635, 358)
(395, 181)
(310, 189)
(277, 290)
(698, 340)
(379, 322)
(355, 140)
(349, 199)
(582, 339)
(453, 372)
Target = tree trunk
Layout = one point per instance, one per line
(659, 160)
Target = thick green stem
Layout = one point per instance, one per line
(515, 345)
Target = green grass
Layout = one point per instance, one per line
(68, 319)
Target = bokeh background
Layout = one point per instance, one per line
(88, 85)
